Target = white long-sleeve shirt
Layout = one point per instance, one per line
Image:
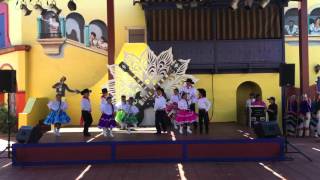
(107, 109)
(191, 93)
(174, 98)
(121, 106)
(204, 103)
(183, 105)
(132, 109)
(160, 103)
(56, 105)
(85, 105)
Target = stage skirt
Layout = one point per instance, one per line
(171, 110)
(106, 121)
(130, 119)
(57, 117)
(120, 116)
(185, 116)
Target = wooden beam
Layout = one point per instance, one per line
(111, 33)
(303, 48)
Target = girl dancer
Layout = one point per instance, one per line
(191, 92)
(305, 115)
(131, 112)
(86, 111)
(57, 116)
(204, 105)
(172, 107)
(107, 122)
(185, 115)
(121, 111)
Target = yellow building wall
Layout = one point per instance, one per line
(222, 91)
(88, 69)
(292, 48)
(126, 16)
(83, 68)
(222, 88)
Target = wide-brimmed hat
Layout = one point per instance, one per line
(85, 91)
(104, 90)
(189, 81)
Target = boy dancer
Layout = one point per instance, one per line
(204, 105)
(86, 111)
(160, 108)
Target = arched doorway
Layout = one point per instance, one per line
(243, 92)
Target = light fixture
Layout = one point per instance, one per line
(25, 9)
(179, 5)
(72, 5)
(54, 7)
(248, 4)
(38, 6)
(234, 4)
(264, 3)
(193, 4)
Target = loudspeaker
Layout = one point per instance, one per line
(8, 83)
(29, 134)
(287, 74)
(267, 129)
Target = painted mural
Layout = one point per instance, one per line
(291, 22)
(71, 28)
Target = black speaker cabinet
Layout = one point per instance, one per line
(8, 82)
(267, 129)
(29, 134)
(287, 74)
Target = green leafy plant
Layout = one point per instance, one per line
(3, 121)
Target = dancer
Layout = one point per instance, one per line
(57, 116)
(131, 112)
(61, 87)
(121, 111)
(184, 115)
(204, 105)
(317, 111)
(172, 107)
(86, 111)
(191, 96)
(107, 122)
(305, 115)
(159, 107)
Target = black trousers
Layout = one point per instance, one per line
(203, 119)
(87, 119)
(161, 121)
(193, 108)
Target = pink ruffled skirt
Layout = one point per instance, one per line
(185, 116)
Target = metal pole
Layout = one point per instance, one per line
(9, 128)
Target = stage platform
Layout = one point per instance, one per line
(225, 142)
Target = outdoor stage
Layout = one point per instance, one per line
(225, 142)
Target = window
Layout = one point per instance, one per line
(291, 22)
(75, 27)
(314, 22)
(136, 35)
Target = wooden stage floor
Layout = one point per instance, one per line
(217, 131)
